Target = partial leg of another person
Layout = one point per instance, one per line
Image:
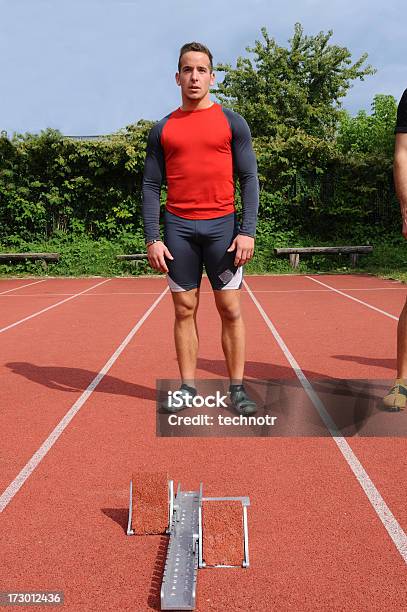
(396, 399)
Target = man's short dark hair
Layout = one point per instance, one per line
(195, 46)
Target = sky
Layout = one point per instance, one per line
(88, 67)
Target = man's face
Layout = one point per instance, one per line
(195, 77)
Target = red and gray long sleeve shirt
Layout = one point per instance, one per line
(197, 153)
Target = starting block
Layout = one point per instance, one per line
(185, 553)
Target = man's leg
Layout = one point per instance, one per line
(184, 278)
(396, 399)
(234, 344)
(233, 332)
(402, 344)
(186, 333)
(226, 280)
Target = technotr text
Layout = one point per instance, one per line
(201, 420)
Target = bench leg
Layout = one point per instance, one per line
(44, 265)
(294, 260)
(354, 259)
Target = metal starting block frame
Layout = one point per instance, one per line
(185, 548)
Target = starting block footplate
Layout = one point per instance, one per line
(178, 589)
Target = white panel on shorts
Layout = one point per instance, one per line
(173, 285)
(236, 280)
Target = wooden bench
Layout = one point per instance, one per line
(295, 252)
(134, 257)
(17, 257)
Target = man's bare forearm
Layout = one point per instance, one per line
(400, 180)
(400, 173)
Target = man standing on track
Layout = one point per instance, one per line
(197, 148)
(397, 396)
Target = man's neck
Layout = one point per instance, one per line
(192, 105)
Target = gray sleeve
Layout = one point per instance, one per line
(153, 177)
(245, 165)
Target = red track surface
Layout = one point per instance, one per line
(316, 543)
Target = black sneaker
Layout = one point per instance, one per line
(240, 401)
(186, 392)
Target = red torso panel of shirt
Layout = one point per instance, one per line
(197, 149)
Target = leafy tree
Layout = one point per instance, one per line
(372, 133)
(288, 89)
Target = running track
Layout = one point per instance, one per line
(322, 537)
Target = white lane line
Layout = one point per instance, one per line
(350, 297)
(22, 286)
(42, 295)
(382, 510)
(401, 288)
(326, 290)
(39, 455)
(36, 314)
(209, 292)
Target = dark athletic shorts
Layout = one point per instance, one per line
(195, 243)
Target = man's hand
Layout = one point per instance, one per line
(244, 247)
(156, 254)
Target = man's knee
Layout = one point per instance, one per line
(185, 306)
(229, 312)
(184, 311)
